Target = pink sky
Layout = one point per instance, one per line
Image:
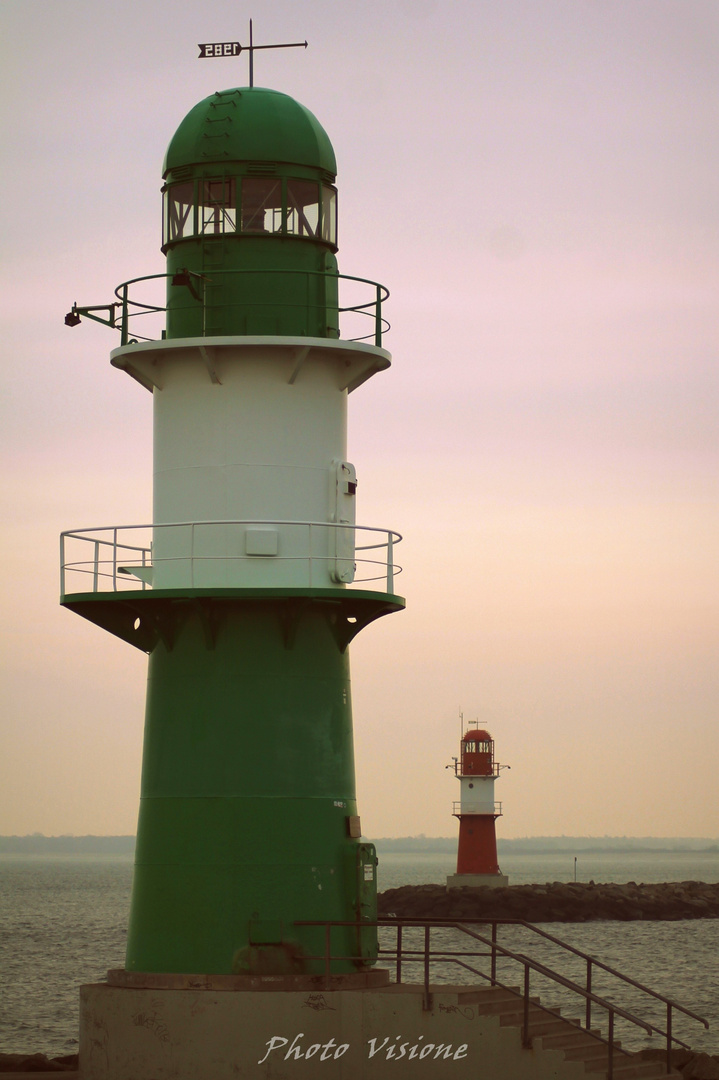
(536, 184)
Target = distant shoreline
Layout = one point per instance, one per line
(535, 845)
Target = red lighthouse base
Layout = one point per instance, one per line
(477, 848)
(477, 854)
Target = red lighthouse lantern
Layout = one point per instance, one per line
(477, 811)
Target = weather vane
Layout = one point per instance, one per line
(233, 48)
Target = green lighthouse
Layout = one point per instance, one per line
(254, 575)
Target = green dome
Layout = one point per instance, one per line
(250, 124)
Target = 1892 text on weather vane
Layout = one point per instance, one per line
(216, 49)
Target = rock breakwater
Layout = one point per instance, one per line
(556, 902)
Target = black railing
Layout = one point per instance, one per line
(118, 315)
(492, 949)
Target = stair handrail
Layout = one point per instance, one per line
(606, 967)
(425, 957)
(526, 961)
(583, 992)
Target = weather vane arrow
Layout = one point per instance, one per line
(216, 49)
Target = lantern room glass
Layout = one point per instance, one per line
(303, 208)
(261, 205)
(329, 214)
(217, 209)
(178, 217)
(272, 206)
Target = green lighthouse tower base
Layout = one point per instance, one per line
(247, 797)
(248, 816)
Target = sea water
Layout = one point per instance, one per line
(405, 868)
(63, 922)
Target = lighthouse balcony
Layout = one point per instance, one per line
(269, 301)
(227, 554)
(493, 809)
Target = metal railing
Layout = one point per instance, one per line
(494, 951)
(122, 314)
(116, 558)
(494, 771)
(457, 810)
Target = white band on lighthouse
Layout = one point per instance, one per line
(253, 429)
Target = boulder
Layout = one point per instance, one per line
(701, 1067)
(37, 1063)
(29, 1063)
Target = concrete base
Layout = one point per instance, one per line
(476, 881)
(54, 1075)
(154, 1034)
(146, 980)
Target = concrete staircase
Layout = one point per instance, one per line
(549, 1030)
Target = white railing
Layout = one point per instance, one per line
(457, 810)
(206, 554)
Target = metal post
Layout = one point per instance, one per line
(526, 1041)
(378, 317)
(144, 563)
(427, 1004)
(62, 564)
(204, 297)
(124, 334)
(589, 990)
(399, 953)
(610, 1063)
(114, 559)
(96, 566)
(390, 563)
(669, 1036)
(328, 932)
(494, 953)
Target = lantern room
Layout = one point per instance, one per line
(249, 205)
(477, 752)
(249, 224)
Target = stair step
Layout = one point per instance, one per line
(538, 1018)
(629, 1068)
(587, 1050)
(492, 993)
(573, 1041)
(508, 1005)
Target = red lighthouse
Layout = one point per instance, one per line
(477, 811)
